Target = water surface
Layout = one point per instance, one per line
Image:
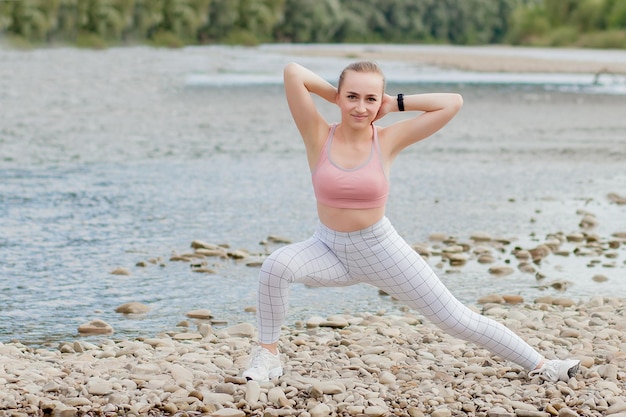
(109, 158)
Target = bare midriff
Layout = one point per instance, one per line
(349, 220)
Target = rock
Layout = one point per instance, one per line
(527, 268)
(95, 327)
(513, 299)
(501, 270)
(132, 308)
(228, 412)
(182, 376)
(187, 336)
(336, 322)
(422, 249)
(376, 411)
(486, 258)
(481, 237)
(241, 330)
(278, 239)
(458, 259)
(120, 271)
(565, 302)
(600, 278)
(320, 410)
(616, 198)
(99, 387)
(588, 221)
(437, 237)
(237, 254)
(528, 413)
(199, 244)
(441, 412)
(278, 397)
(314, 321)
(58, 409)
(575, 237)
(522, 255)
(499, 412)
(253, 392)
(491, 299)
(216, 252)
(202, 314)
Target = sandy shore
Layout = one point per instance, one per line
(480, 59)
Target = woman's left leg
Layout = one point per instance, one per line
(390, 264)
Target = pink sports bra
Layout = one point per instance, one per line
(363, 187)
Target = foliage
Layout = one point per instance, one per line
(589, 23)
(175, 23)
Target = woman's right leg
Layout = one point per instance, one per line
(310, 262)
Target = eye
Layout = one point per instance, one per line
(372, 99)
(351, 96)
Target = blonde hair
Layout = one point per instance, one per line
(361, 66)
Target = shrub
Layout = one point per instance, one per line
(90, 40)
(166, 39)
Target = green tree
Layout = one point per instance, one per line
(108, 19)
(559, 11)
(311, 21)
(362, 22)
(259, 17)
(527, 23)
(616, 17)
(589, 15)
(33, 20)
(223, 15)
(406, 21)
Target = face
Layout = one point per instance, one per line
(360, 97)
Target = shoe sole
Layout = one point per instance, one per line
(573, 370)
(275, 373)
(271, 374)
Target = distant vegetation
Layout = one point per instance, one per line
(175, 23)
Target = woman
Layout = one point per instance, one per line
(354, 241)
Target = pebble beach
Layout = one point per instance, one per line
(359, 365)
(370, 364)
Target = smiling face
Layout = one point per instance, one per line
(360, 96)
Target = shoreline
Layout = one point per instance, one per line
(505, 59)
(353, 365)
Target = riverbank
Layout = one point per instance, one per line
(349, 365)
(476, 58)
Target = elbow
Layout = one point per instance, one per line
(290, 70)
(457, 102)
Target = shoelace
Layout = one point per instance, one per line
(545, 372)
(260, 358)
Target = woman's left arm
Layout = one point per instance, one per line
(437, 110)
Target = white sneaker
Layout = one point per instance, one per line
(263, 365)
(557, 370)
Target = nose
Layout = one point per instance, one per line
(361, 106)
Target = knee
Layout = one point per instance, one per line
(276, 269)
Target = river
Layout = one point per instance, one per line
(114, 157)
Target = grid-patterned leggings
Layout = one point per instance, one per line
(378, 256)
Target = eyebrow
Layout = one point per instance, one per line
(357, 94)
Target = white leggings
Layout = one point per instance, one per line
(378, 256)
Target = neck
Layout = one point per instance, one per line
(349, 134)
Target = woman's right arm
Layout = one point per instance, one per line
(300, 83)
